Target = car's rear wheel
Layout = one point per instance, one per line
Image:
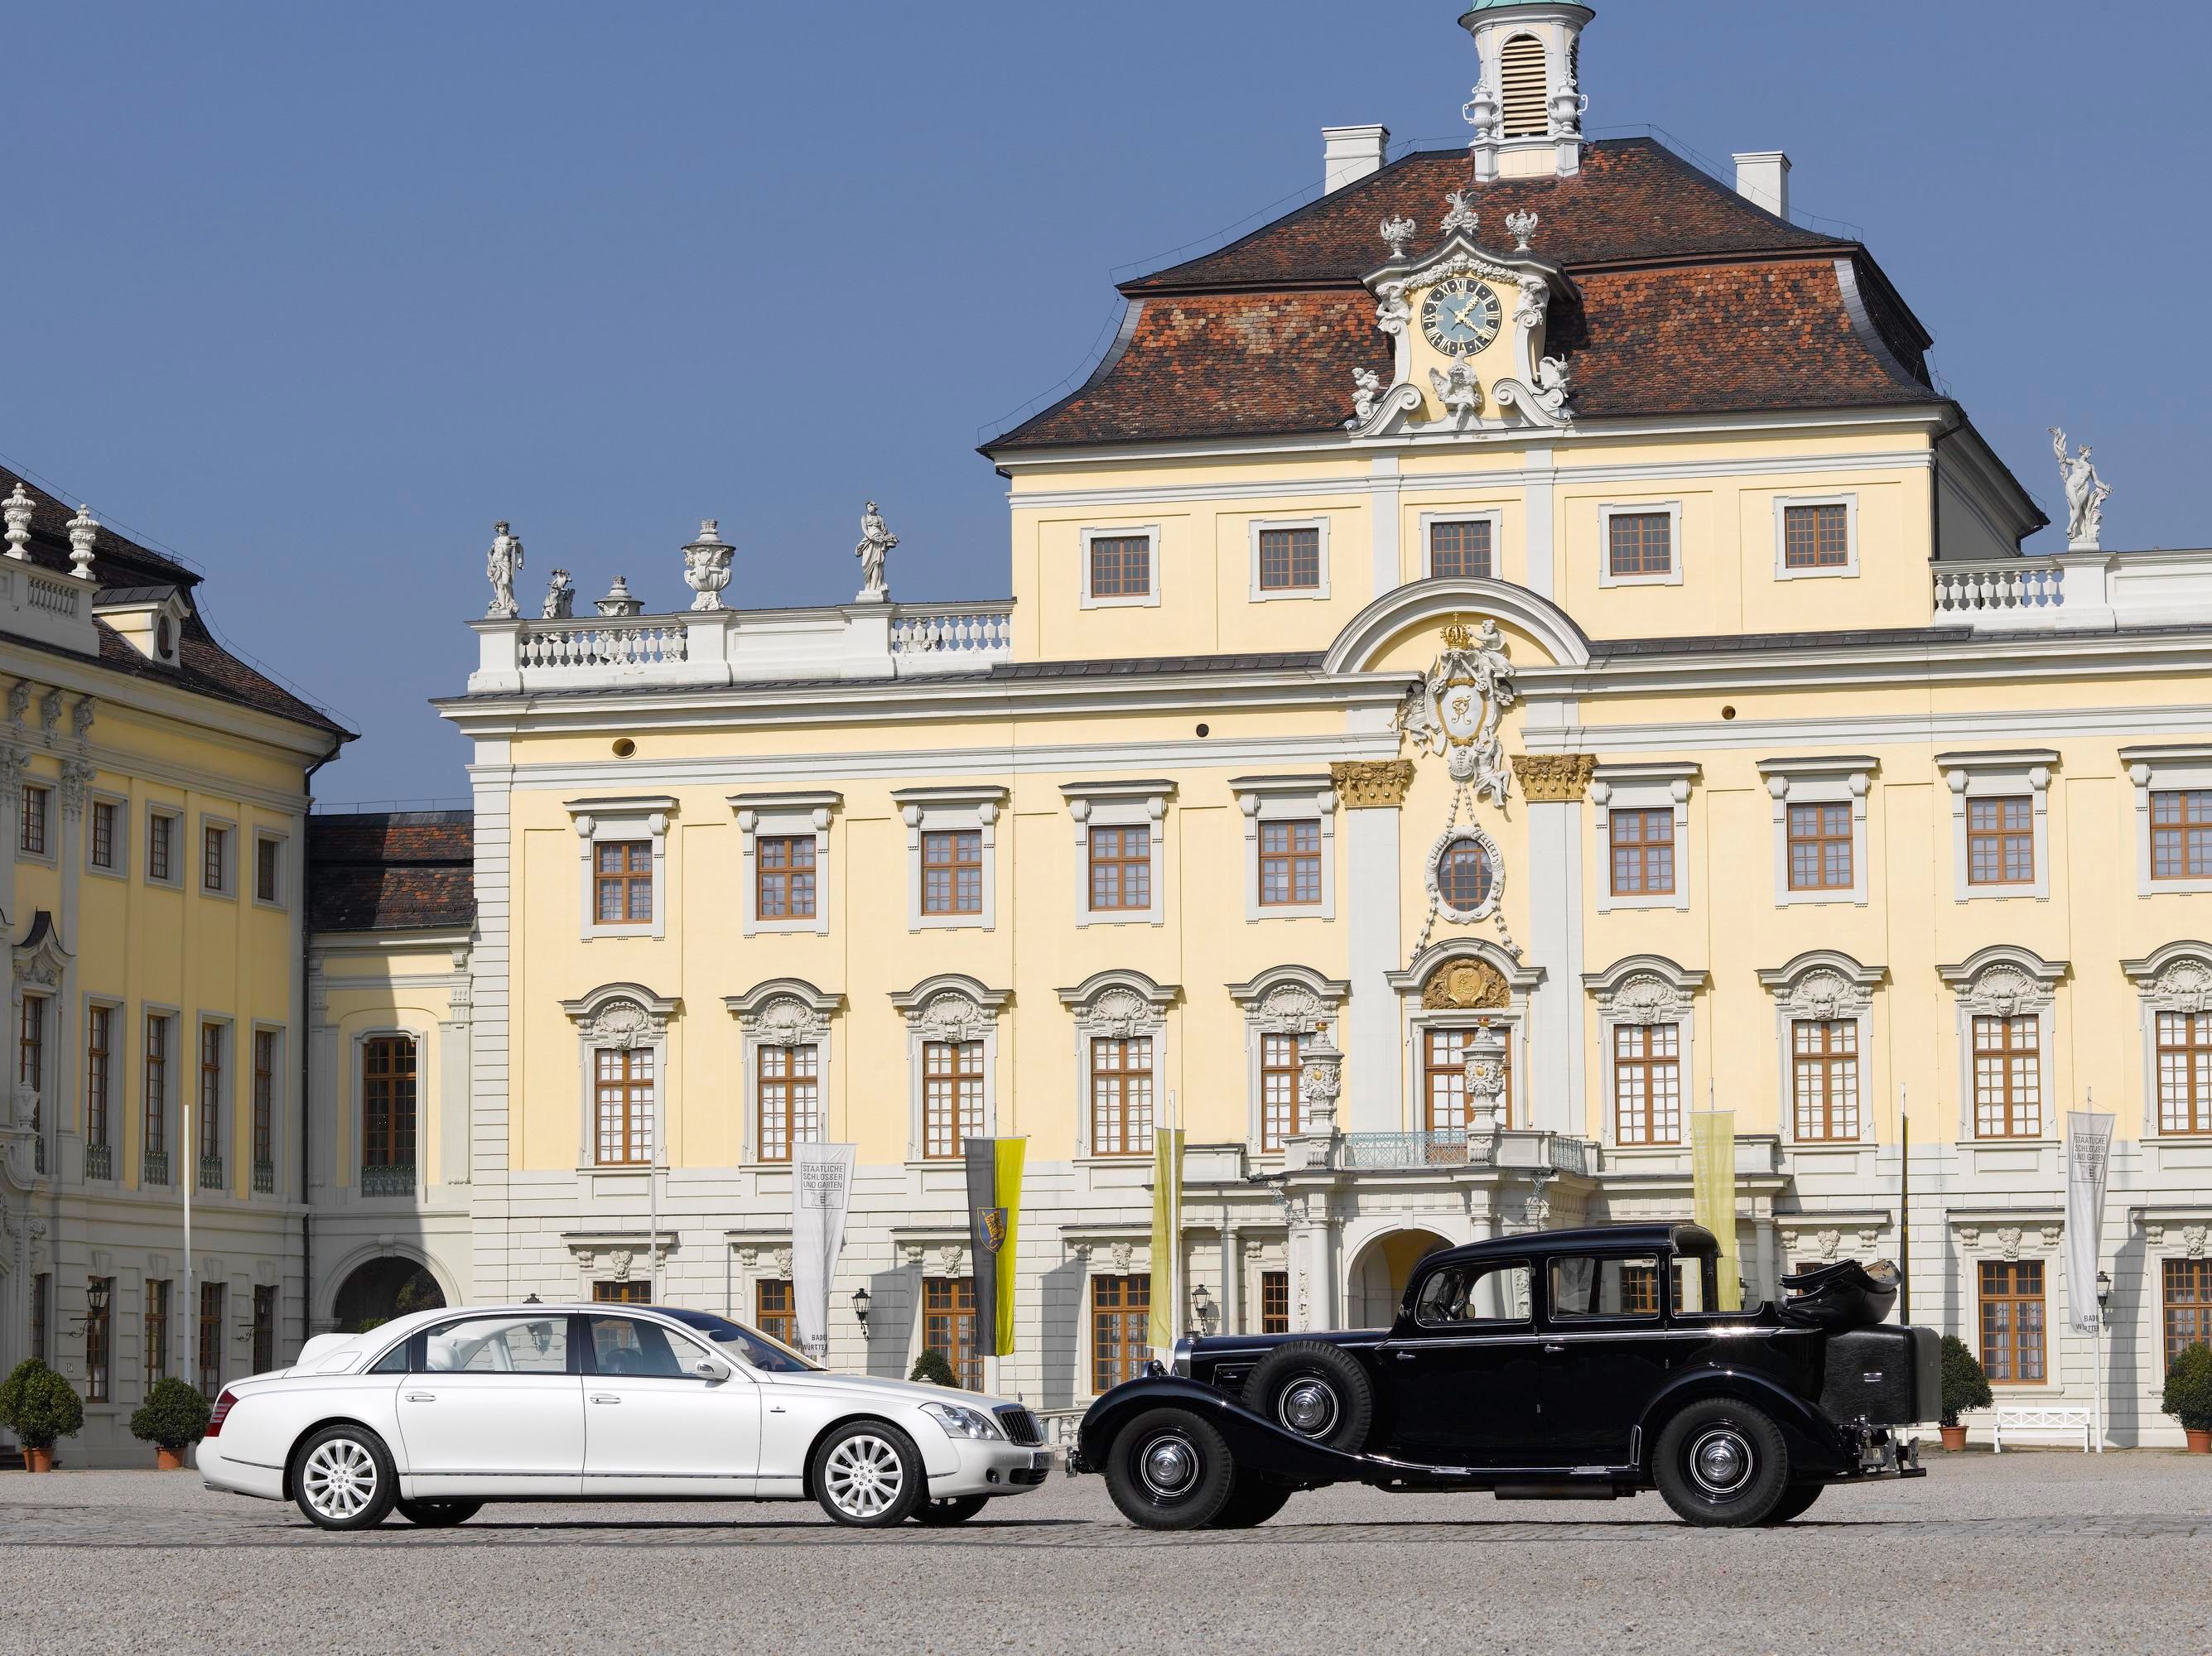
(343, 1478)
(953, 1509)
(868, 1473)
(1317, 1390)
(1169, 1470)
(1252, 1503)
(1795, 1504)
(1723, 1464)
(439, 1514)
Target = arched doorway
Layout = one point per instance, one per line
(381, 1290)
(1379, 1275)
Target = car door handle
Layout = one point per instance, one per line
(602, 1397)
(1405, 1356)
(421, 1396)
(1555, 1348)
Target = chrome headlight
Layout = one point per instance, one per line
(961, 1423)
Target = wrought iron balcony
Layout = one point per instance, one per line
(1438, 1147)
(156, 1168)
(388, 1179)
(99, 1160)
(211, 1172)
(264, 1178)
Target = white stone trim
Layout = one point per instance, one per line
(777, 815)
(1118, 1004)
(1816, 781)
(1119, 804)
(1645, 991)
(1828, 987)
(2163, 770)
(1128, 532)
(950, 1007)
(621, 818)
(1608, 511)
(2005, 980)
(1494, 516)
(1283, 1000)
(1656, 786)
(620, 1015)
(782, 1012)
(2017, 774)
(1266, 595)
(1287, 798)
(948, 809)
(1849, 570)
(2176, 978)
(228, 827)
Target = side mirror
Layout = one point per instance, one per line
(706, 1369)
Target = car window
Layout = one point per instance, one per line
(1491, 1294)
(393, 1362)
(1585, 1287)
(749, 1346)
(623, 1345)
(499, 1345)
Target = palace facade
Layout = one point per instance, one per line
(1532, 605)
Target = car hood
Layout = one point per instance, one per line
(911, 1392)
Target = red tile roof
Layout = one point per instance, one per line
(391, 871)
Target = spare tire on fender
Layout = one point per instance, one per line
(1317, 1390)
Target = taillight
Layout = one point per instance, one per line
(221, 1407)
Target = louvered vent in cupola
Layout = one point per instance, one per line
(1522, 88)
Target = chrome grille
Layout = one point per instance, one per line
(1019, 1425)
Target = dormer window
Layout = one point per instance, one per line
(151, 619)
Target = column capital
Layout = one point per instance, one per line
(1554, 779)
(1373, 784)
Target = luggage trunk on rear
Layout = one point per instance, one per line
(1885, 1376)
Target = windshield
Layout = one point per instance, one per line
(755, 1350)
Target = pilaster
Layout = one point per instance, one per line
(1554, 785)
(1372, 793)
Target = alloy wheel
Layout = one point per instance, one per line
(339, 1477)
(864, 1475)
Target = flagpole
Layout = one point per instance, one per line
(1175, 1230)
(190, 1311)
(1904, 1208)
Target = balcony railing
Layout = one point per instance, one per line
(1576, 1155)
(99, 1160)
(388, 1179)
(2074, 592)
(1439, 1147)
(264, 1178)
(211, 1172)
(606, 641)
(156, 1168)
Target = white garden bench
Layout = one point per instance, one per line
(2020, 1420)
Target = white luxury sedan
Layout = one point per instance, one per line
(442, 1411)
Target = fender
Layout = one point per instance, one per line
(1253, 1441)
(1810, 1434)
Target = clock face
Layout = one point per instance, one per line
(1461, 315)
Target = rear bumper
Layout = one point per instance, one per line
(219, 1471)
(1879, 1453)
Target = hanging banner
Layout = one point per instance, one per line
(1712, 1191)
(1161, 1330)
(995, 1210)
(821, 1194)
(2088, 1154)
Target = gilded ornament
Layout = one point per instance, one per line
(1373, 784)
(1465, 986)
(1554, 779)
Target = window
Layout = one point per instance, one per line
(1287, 558)
(1121, 1096)
(99, 1340)
(786, 865)
(627, 1293)
(42, 1290)
(1443, 1078)
(1290, 864)
(2181, 835)
(388, 1109)
(951, 1096)
(1279, 1069)
(157, 1332)
(2008, 1077)
(622, 1345)
(157, 1099)
(99, 1046)
(1824, 1077)
(103, 853)
(773, 1312)
(509, 1345)
(2184, 1073)
(1522, 84)
(1463, 876)
(1647, 1083)
(1643, 853)
(1121, 566)
(621, 882)
(1459, 1296)
(264, 1104)
(1816, 536)
(30, 830)
(2187, 1300)
(1639, 543)
(30, 1049)
(211, 1101)
(267, 868)
(1274, 1303)
(1122, 868)
(1584, 1287)
(952, 873)
(790, 1099)
(948, 1326)
(623, 1102)
(265, 1330)
(2001, 842)
(1120, 1307)
(1820, 847)
(215, 858)
(1461, 550)
(2012, 1321)
(210, 1346)
(161, 848)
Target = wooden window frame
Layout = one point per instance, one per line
(626, 1291)
(268, 862)
(1613, 542)
(786, 866)
(1282, 1064)
(1121, 1340)
(958, 853)
(213, 1063)
(99, 1074)
(105, 821)
(391, 1099)
(34, 821)
(1826, 1090)
(622, 1079)
(1284, 564)
(1128, 874)
(1123, 1094)
(2184, 1305)
(955, 1098)
(2003, 1105)
(1641, 850)
(265, 1328)
(1122, 596)
(2181, 1050)
(154, 1329)
(948, 1326)
(783, 1082)
(1646, 1061)
(1821, 837)
(218, 876)
(1839, 512)
(265, 1058)
(2180, 836)
(1274, 1303)
(1999, 840)
(208, 1352)
(628, 880)
(156, 1080)
(2008, 1344)
(162, 847)
(775, 1309)
(1292, 862)
(1460, 528)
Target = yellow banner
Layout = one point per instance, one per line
(1009, 1183)
(1712, 1186)
(1167, 1237)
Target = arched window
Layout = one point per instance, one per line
(1522, 87)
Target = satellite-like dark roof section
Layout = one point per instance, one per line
(391, 872)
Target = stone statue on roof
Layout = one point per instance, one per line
(560, 597)
(501, 565)
(873, 552)
(2085, 494)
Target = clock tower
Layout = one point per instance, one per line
(1527, 111)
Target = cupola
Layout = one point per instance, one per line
(1527, 111)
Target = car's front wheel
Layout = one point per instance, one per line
(1723, 1464)
(868, 1473)
(439, 1514)
(343, 1478)
(1169, 1470)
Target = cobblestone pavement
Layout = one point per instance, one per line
(2032, 1552)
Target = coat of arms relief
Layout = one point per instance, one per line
(1456, 711)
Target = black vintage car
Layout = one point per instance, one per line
(1565, 1364)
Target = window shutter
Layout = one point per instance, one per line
(1521, 78)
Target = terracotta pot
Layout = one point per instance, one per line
(38, 1460)
(1954, 1437)
(169, 1460)
(2200, 1443)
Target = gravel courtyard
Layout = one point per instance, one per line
(2038, 1551)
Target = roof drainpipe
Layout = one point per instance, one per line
(306, 1047)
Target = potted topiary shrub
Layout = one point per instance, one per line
(173, 1417)
(1964, 1386)
(934, 1367)
(39, 1407)
(2189, 1396)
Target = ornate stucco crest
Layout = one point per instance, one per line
(1465, 986)
(788, 1020)
(1459, 390)
(1456, 710)
(621, 1024)
(1462, 216)
(952, 1017)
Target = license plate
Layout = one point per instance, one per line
(1041, 1460)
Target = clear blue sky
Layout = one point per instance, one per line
(311, 293)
